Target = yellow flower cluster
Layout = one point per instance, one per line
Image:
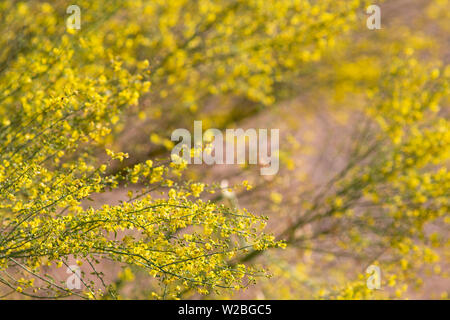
(67, 95)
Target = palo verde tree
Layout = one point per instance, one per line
(88, 111)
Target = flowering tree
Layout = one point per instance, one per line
(139, 69)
